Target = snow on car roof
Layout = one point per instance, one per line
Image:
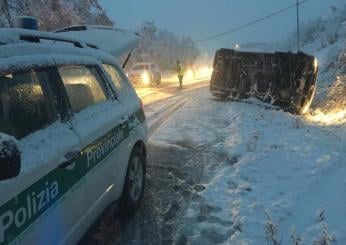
(113, 40)
(18, 54)
(13, 35)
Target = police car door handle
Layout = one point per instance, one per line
(70, 157)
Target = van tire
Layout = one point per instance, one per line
(134, 183)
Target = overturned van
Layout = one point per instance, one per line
(284, 79)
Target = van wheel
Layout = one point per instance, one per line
(134, 182)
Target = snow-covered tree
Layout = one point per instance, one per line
(55, 14)
(166, 46)
(163, 47)
(90, 12)
(5, 9)
(324, 31)
(148, 36)
(188, 51)
(52, 14)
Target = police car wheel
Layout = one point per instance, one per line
(134, 183)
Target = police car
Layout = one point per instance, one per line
(73, 138)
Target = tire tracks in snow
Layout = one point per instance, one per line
(165, 116)
(172, 180)
(158, 118)
(170, 186)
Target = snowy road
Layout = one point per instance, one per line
(173, 173)
(169, 89)
(233, 172)
(265, 173)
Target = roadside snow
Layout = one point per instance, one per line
(274, 165)
(330, 65)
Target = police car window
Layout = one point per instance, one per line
(24, 103)
(83, 86)
(116, 75)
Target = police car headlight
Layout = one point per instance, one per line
(145, 78)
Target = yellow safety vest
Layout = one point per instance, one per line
(180, 70)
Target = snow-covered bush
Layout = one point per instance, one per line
(271, 231)
(295, 238)
(325, 238)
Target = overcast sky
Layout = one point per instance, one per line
(202, 18)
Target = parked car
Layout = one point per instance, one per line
(145, 74)
(73, 138)
(287, 80)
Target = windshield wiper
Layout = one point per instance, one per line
(127, 59)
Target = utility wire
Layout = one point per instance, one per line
(252, 22)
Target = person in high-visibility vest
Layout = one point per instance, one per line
(180, 72)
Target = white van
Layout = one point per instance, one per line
(73, 138)
(145, 74)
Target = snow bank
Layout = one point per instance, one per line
(274, 165)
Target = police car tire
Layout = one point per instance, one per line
(127, 203)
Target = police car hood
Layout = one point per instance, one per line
(112, 40)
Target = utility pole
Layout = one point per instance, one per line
(298, 31)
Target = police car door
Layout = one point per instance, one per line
(128, 97)
(38, 206)
(102, 125)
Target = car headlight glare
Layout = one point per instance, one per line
(145, 78)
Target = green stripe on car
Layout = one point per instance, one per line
(20, 212)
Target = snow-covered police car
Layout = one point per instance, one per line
(73, 138)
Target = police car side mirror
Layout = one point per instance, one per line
(9, 159)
